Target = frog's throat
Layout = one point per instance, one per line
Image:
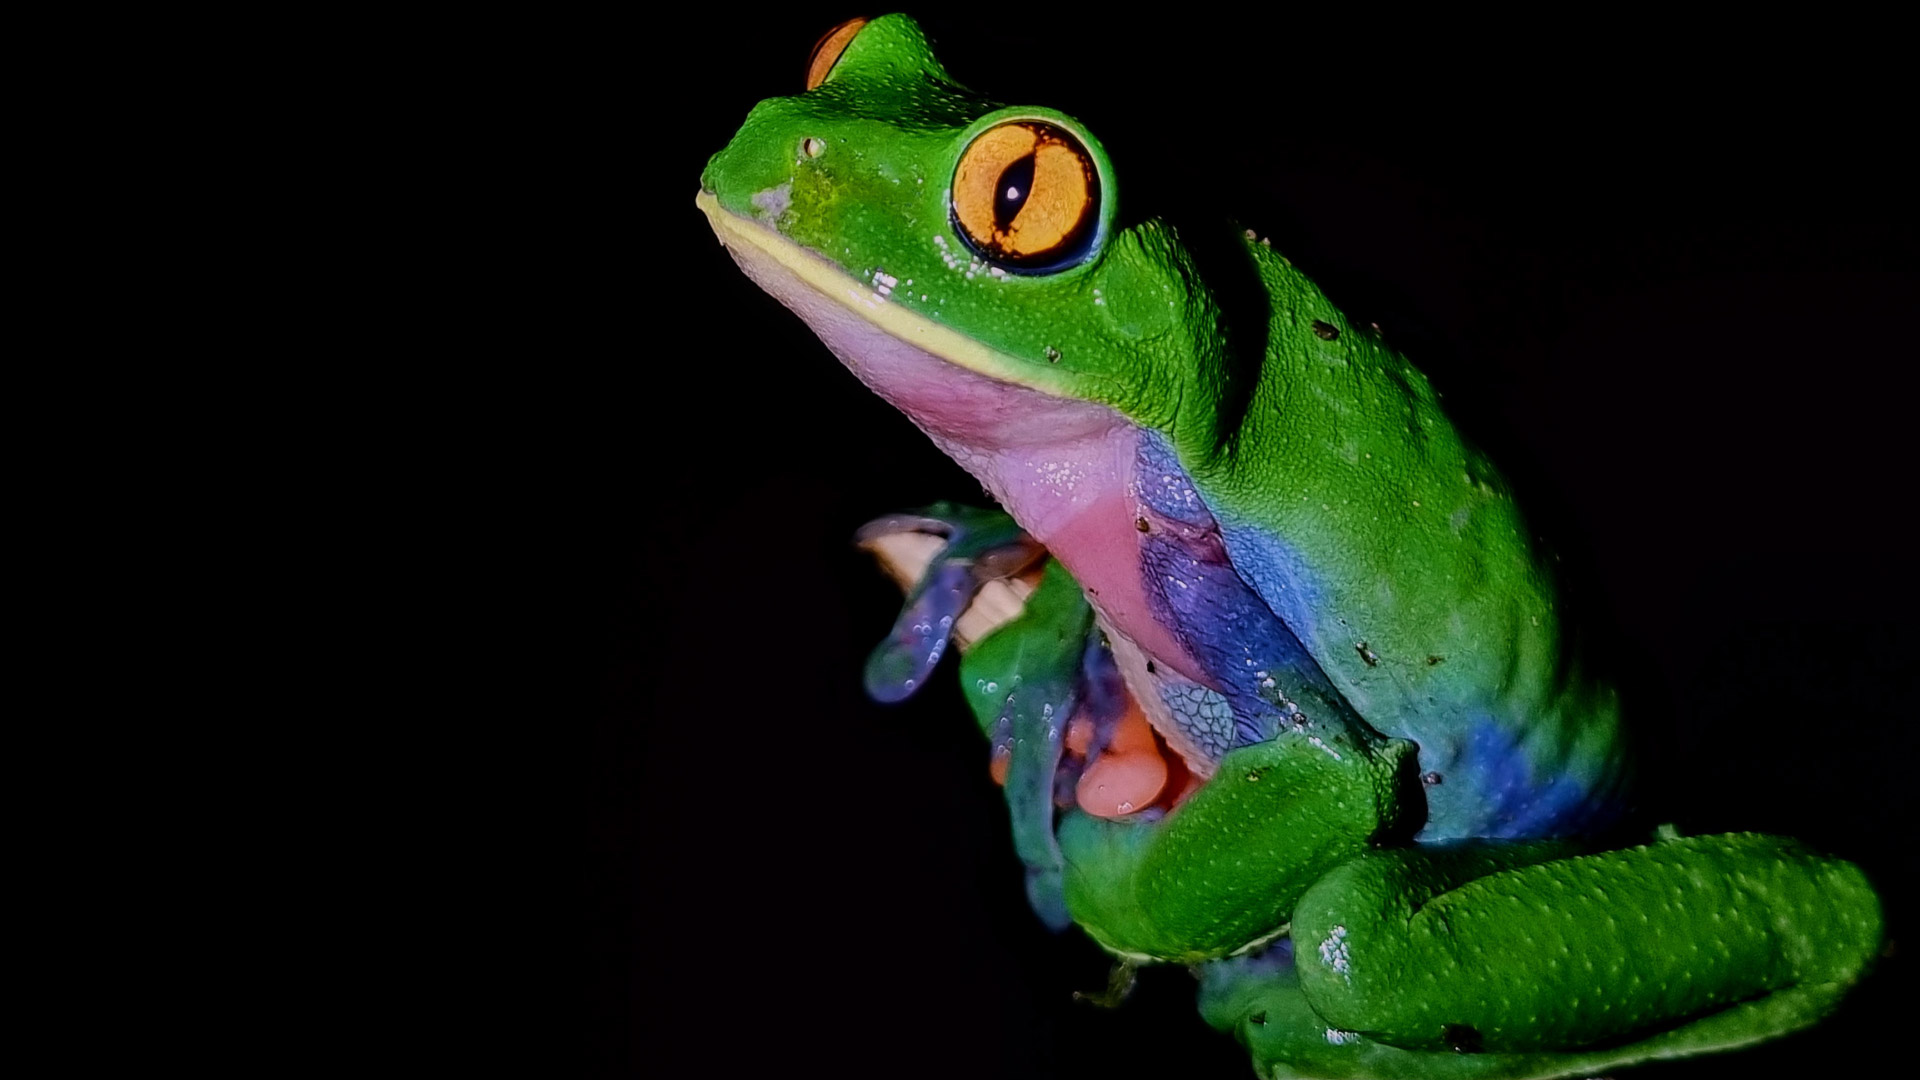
(1062, 466)
(869, 302)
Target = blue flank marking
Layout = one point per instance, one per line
(1261, 668)
(1277, 573)
(1505, 798)
(1236, 639)
(1283, 582)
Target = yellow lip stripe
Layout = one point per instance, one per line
(907, 325)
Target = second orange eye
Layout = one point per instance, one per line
(1026, 196)
(826, 51)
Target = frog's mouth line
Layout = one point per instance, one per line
(869, 301)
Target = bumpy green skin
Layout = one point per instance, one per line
(1345, 452)
(1399, 535)
(1286, 1038)
(1486, 961)
(1409, 944)
(1228, 865)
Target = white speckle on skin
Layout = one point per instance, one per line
(1333, 952)
(1336, 1037)
(1327, 750)
(774, 201)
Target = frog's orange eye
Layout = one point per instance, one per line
(826, 51)
(1026, 196)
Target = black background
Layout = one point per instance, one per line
(1666, 275)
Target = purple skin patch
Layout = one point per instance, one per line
(982, 546)
(901, 663)
(1247, 654)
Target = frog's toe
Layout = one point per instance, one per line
(945, 558)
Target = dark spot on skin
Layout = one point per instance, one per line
(1053, 355)
(1324, 330)
(1432, 660)
(1367, 655)
(1462, 1037)
(1150, 669)
(1259, 1018)
(1432, 779)
(1141, 524)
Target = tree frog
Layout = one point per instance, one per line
(1290, 699)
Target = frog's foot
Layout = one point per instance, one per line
(961, 569)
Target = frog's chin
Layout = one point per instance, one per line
(1061, 466)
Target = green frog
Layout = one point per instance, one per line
(1289, 697)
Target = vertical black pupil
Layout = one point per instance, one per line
(1016, 181)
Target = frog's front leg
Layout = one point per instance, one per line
(1152, 863)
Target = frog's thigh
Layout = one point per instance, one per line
(1262, 1005)
(1450, 950)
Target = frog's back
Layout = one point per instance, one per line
(1395, 552)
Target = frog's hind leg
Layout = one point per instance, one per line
(1503, 960)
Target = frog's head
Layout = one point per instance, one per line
(967, 262)
(888, 201)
